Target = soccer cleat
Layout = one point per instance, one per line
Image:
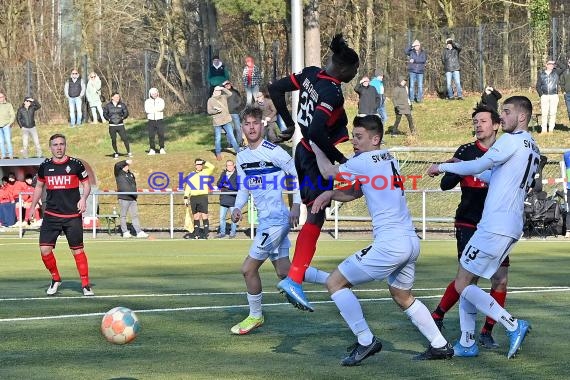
(359, 352)
(248, 324)
(87, 291)
(142, 234)
(465, 352)
(294, 293)
(432, 353)
(162, 151)
(151, 152)
(486, 340)
(439, 323)
(54, 286)
(516, 337)
(127, 235)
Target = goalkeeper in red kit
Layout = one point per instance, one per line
(322, 120)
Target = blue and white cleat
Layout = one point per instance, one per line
(465, 352)
(294, 293)
(517, 337)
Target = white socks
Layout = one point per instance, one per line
(422, 319)
(316, 276)
(488, 306)
(467, 322)
(351, 311)
(254, 301)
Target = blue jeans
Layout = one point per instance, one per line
(229, 135)
(382, 110)
(456, 77)
(223, 212)
(281, 123)
(75, 105)
(419, 78)
(237, 128)
(6, 138)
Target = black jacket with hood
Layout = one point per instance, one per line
(125, 181)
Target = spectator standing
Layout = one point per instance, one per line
(218, 107)
(490, 98)
(93, 95)
(127, 183)
(27, 121)
(196, 196)
(565, 86)
(116, 112)
(417, 58)
(7, 117)
(402, 106)
(378, 83)
(450, 59)
(154, 108)
(226, 183)
(269, 118)
(368, 97)
(74, 90)
(235, 106)
(547, 88)
(217, 74)
(251, 78)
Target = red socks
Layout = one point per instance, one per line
(450, 298)
(304, 251)
(82, 267)
(501, 298)
(51, 265)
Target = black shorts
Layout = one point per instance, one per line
(311, 182)
(463, 235)
(52, 226)
(199, 203)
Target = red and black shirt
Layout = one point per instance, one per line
(61, 181)
(473, 190)
(320, 114)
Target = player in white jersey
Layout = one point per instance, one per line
(513, 162)
(396, 247)
(265, 170)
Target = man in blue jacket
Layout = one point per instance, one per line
(417, 58)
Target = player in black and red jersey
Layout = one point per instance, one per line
(61, 176)
(486, 122)
(322, 120)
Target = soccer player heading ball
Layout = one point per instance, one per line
(322, 120)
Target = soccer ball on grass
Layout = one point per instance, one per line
(120, 325)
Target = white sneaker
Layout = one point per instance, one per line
(37, 223)
(87, 291)
(151, 152)
(53, 287)
(116, 155)
(142, 234)
(127, 234)
(129, 154)
(162, 151)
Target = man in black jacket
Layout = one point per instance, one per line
(128, 202)
(227, 183)
(27, 121)
(450, 59)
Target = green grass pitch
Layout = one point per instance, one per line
(188, 294)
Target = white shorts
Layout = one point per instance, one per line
(393, 259)
(270, 242)
(485, 252)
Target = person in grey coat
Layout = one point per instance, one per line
(402, 106)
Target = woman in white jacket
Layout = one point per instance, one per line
(154, 107)
(93, 95)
